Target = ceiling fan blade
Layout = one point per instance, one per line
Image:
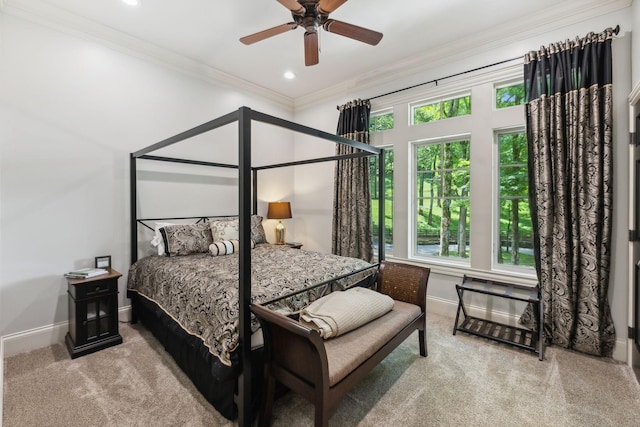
(264, 34)
(352, 31)
(311, 48)
(327, 6)
(293, 6)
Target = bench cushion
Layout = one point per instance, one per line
(346, 352)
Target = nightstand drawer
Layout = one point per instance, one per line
(92, 290)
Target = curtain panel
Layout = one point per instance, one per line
(568, 89)
(351, 230)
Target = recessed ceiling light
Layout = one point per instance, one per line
(131, 2)
(289, 75)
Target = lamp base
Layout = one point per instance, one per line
(280, 232)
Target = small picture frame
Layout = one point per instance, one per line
(103, 261)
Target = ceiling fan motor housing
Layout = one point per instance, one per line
(312, 18)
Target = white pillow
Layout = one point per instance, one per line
(157, 240)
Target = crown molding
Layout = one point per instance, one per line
(555, 18)
(44, 14)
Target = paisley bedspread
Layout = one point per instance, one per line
(201, 291)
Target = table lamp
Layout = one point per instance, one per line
(279, 211)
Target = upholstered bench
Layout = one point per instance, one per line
(323, 371)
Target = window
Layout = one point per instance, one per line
(381, 120)
(388, 199)
(442, 109)
(442, 216)
(443, 149)
(510, 96)
(515, 234)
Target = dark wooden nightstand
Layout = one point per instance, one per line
(93, 314)
(294, 245)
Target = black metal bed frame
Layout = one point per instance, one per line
(248, 204)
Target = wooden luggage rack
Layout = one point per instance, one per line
(500, 332)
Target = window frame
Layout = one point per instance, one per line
(481, 124)
(382, 112)
(438, 99)
(387, 148)
(413, 208)
(502, 84)
(526, 271)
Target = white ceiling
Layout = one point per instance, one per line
(207, 32)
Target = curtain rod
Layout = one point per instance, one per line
(446, 77)
(616, 30)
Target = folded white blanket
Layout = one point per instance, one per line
(341, 312)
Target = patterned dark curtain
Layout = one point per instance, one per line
(351, 231)
(569, 117)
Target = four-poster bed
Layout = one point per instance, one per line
(213, 367)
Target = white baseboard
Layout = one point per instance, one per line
(448, 308)
(44, 336)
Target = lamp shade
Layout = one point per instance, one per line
(279, 210)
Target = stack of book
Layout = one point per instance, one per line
(85, 273)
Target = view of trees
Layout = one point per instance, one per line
(442, 198)
(516, 238)
(442, 110)
(510, 96)
(381, 122)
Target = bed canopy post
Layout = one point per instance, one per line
(133, 192)
(254, 208)
(381, 205)
(244, 253)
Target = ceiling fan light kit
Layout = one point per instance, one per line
(312, 15)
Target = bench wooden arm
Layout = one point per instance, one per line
(291, 344)
(404, 282)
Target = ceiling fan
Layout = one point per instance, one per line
(310, 15)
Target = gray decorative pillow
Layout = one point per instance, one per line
(228, 228)
(257, 230)
(185, 239)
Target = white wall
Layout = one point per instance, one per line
(71, 111)
(323, 115)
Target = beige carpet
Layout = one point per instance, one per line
(465, 381)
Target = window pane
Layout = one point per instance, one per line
(443, 109)
(510, 96)
(516, 238)
(426, 113)
(379, 122)
(388, 198)
(442, 199)
(457, 107)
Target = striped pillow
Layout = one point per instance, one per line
(226, 247)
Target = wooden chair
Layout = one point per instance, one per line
(323, 371)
